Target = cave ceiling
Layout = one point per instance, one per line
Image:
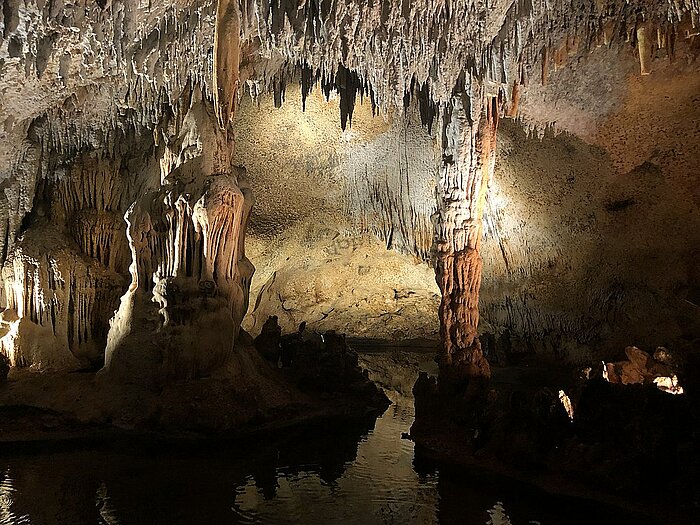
(90, 68)
(116, 116)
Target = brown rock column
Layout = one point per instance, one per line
(468, 163)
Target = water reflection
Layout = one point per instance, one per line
(378, 486)
(362, 473)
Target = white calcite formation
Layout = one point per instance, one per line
(189, 274)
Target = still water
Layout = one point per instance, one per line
(357, 474)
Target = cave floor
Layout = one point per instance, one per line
(37, 408)
(325, 470)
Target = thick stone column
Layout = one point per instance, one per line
(469, 144)
(190, 276)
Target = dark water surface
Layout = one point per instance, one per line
(356, 474)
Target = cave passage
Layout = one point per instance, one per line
(350, 261)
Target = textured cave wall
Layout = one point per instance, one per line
(64, 273)
(84, 81)
(341, 227)
(592, 245)
(589, 242)
(83, 87)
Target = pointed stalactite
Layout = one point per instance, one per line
(307, 82)
(372, 99)
(545, 65)
(516, 93)
(226, 59)
(278, 90)
(427, 108)
(347, 83)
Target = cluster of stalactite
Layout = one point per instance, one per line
(95, 147)
(57, 304)
(383, 196)
(391, 49)
(64, 273)
(128, 72)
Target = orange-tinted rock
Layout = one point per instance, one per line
(468, 165)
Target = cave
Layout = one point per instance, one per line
(350, 261)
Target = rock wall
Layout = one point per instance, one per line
(590, 248)
(65, 272)
(571, 224)
(95, 115)
(346, 248)
(350, 284)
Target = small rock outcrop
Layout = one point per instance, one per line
(319, 363)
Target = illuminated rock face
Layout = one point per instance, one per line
(189, 274)
(190, 278)
(58, 304)
(470, 148)
(104, 80)
(64, 274)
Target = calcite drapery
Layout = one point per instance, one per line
(57, 303)
(469, 142)
(64, 275)
(190, 277)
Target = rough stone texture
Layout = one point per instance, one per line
(108, 80)
(378, 177)
(568, 225)
(189, 273)
(590, 247)
(353, 285)
(314, 261)
(467, 167)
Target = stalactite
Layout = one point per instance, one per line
(124, 79)
(226, 59)
(644, 48)
(428, 108)
(392, 45)
(58, 306)
(347, 84)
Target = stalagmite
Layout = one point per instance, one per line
(469, 160)
(189, 274)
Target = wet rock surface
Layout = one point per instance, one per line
(320, 363)
(246, 395)
(632, 442)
